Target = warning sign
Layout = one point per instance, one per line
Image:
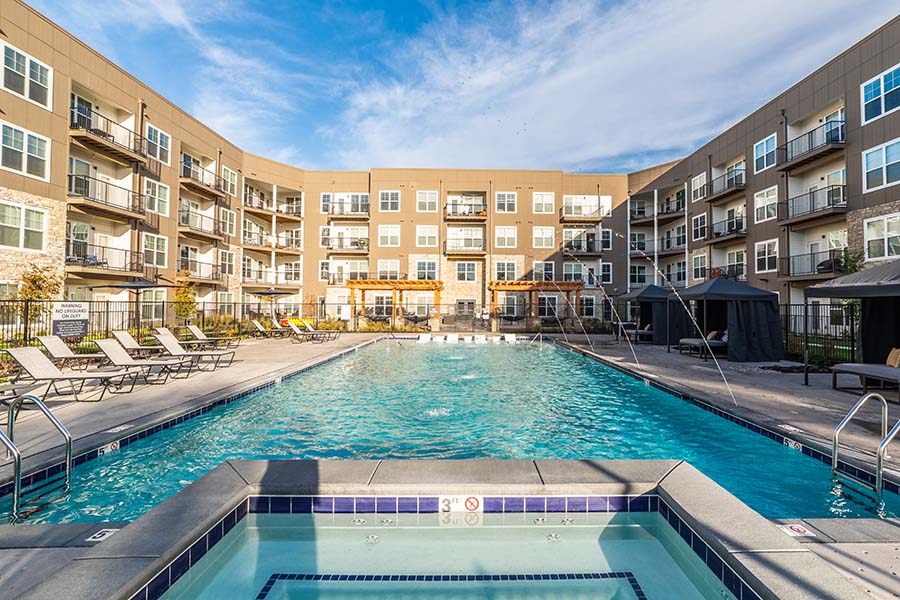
(796, 530)
(70, 319)
(463, 504)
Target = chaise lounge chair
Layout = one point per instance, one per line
(166, 367)
(198, 344)
(41, 369)
(223, 342)
(300, 336)
(63, 355)
(261, 330)
(644, 335)
(886, 373)
(702, 346)
(329, 334)
(174, 348)
(133, 347)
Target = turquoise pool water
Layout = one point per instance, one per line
(466, 401)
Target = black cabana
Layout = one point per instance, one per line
(749, 314)
(651, 301)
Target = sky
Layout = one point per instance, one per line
(604, 86)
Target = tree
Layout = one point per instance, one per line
(185, 302)
(39, 284)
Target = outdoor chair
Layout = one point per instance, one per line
(174, 348)
(224, 342)
(63, 355)
(268, 333)
(644, 335)
(299, 336)
(886, 373)
(276, 326)
(330, 334)
(166, 367)
(199, 344)
(132, 346)
(41, 370)
(702, 346)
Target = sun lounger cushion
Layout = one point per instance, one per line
(648, 327)
(893, 359)
(712, 335)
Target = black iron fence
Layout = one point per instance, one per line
(828, 330)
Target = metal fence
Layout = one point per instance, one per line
(828, 331)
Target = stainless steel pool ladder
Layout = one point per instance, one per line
(7, 439)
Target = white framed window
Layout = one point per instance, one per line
(27, 77)
(465, 271)
(698, 187)
(226, 262)
(881, 166)
(153, 305)
(426, 201)
(388, 236)
(543, 203)
(157, 197)
(766, 253)
(543, 270)
(228, 220)
(505, 270)
(698, 227)
(606, 273)
(293, 271)
(542, 237)
(426, 236)
(699, 266)
(606, 239)
(573, 271)
(155, 250)
(324, 270)
(389, 201)
(424, 305)
(547, 306)
(505, 236)
(325, 203)
(231, 181)
(426, 270)
(465, 238)
(587, 307)
(638, 275)
(506, 202)
(764, 153)
(765, 204)
(22, 227)
(159, 144)
(24, 152)
(882, 237)
(880, 95)
(389, 269)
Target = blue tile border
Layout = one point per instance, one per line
(628, 576)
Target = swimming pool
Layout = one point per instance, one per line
(466, 401)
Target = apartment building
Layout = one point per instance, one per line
(799, 191)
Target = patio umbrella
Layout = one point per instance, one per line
(271, 294)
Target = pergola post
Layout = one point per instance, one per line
(353, 309)
(806, 341)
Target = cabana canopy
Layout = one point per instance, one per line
(651, 301)
(750, 315)
(875, 282)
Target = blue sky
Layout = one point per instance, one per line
(582, 86)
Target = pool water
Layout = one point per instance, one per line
(393, 400)
(260, 546)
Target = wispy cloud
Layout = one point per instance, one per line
(577, 84)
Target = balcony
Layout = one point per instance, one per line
(728, 230)
(815, 265)
(818, 204)
(351, 211)
(260, 240)
(269, 278)
(343, 278)
(346, 245)
(292, 245)
(255, 202)
(639, 216)
(581, 247)
(197, 224)
(201, 180)
(87, 259)
(726, 185)
(577, 213)
(670, 212)
(465, 247)
(199, 271)
(669, 246)
(737, 272)
(466, 211)
(100, 134)
(641, 247)
(803, 151)
(95, 194)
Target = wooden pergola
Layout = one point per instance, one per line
(534, 288)
(396, 287)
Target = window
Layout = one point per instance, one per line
(508, 306)
(606, 273)
(543, 203)
(389, 269)
(226, 262)
(22, 227)
(506, 202)
(881, 95)
(547, 307)
(542, 237)
(465, 271)
(426, 201)
(764, 153)
(293, 271)
(388, 235)
(698, 187)
(159, 144)
(153, 305)
(26, 77)
(389, 201)
(24, 152)
(225, 303)
(680, 271)
(587, 307)
(426, 236)
(230, 178)
(881, 165)
(505, 237)
(155, 247)
(606, 239)
(698, 227)
(699, 263)
(465, 238)
(638, 274)
(228, 221)
(325, 203)
(573, 272)
(506, 270)
(426, 270)
(424, 305)
(766, 256)
(883, 237)
(157, 197)
(324, 270)
(543, 271)
(766, 204)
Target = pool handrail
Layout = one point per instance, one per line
(835, 439)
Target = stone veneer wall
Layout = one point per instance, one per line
(14, 262)
(857, 218)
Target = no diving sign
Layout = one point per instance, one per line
(461, 504)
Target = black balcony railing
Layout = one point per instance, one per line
(202, 176)
(833, 196)
(640, 213)
(735, 225)
(832, 132)
(580, 245)
(467, 209)
(464, 245)
(82, 254)
(667, 244)
(104, 192)
(358, 208)
(294, 209)
(641, 246)
(825, 262)
(671, 208)
(257, 239)
(199, 222)
(102, 127)
(200, 270)
(346, 243)
(737, 271)
(256, 200)
(288, 242)
(732, 180)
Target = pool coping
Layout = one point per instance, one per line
(144, 558)
(809, 444)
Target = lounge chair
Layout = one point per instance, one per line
(424, 338)
(480, 339)
(166, 367)
(305, 336)
(644, 335)
(701, 346)
(261, 330)
(330, 334)
(42, 370)
(224, 342)
(174, 348)
(276, 326)
(193, 343)
(886, 373)
(132, 346)
(63, 355)
(452, 338)
(509, 338)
